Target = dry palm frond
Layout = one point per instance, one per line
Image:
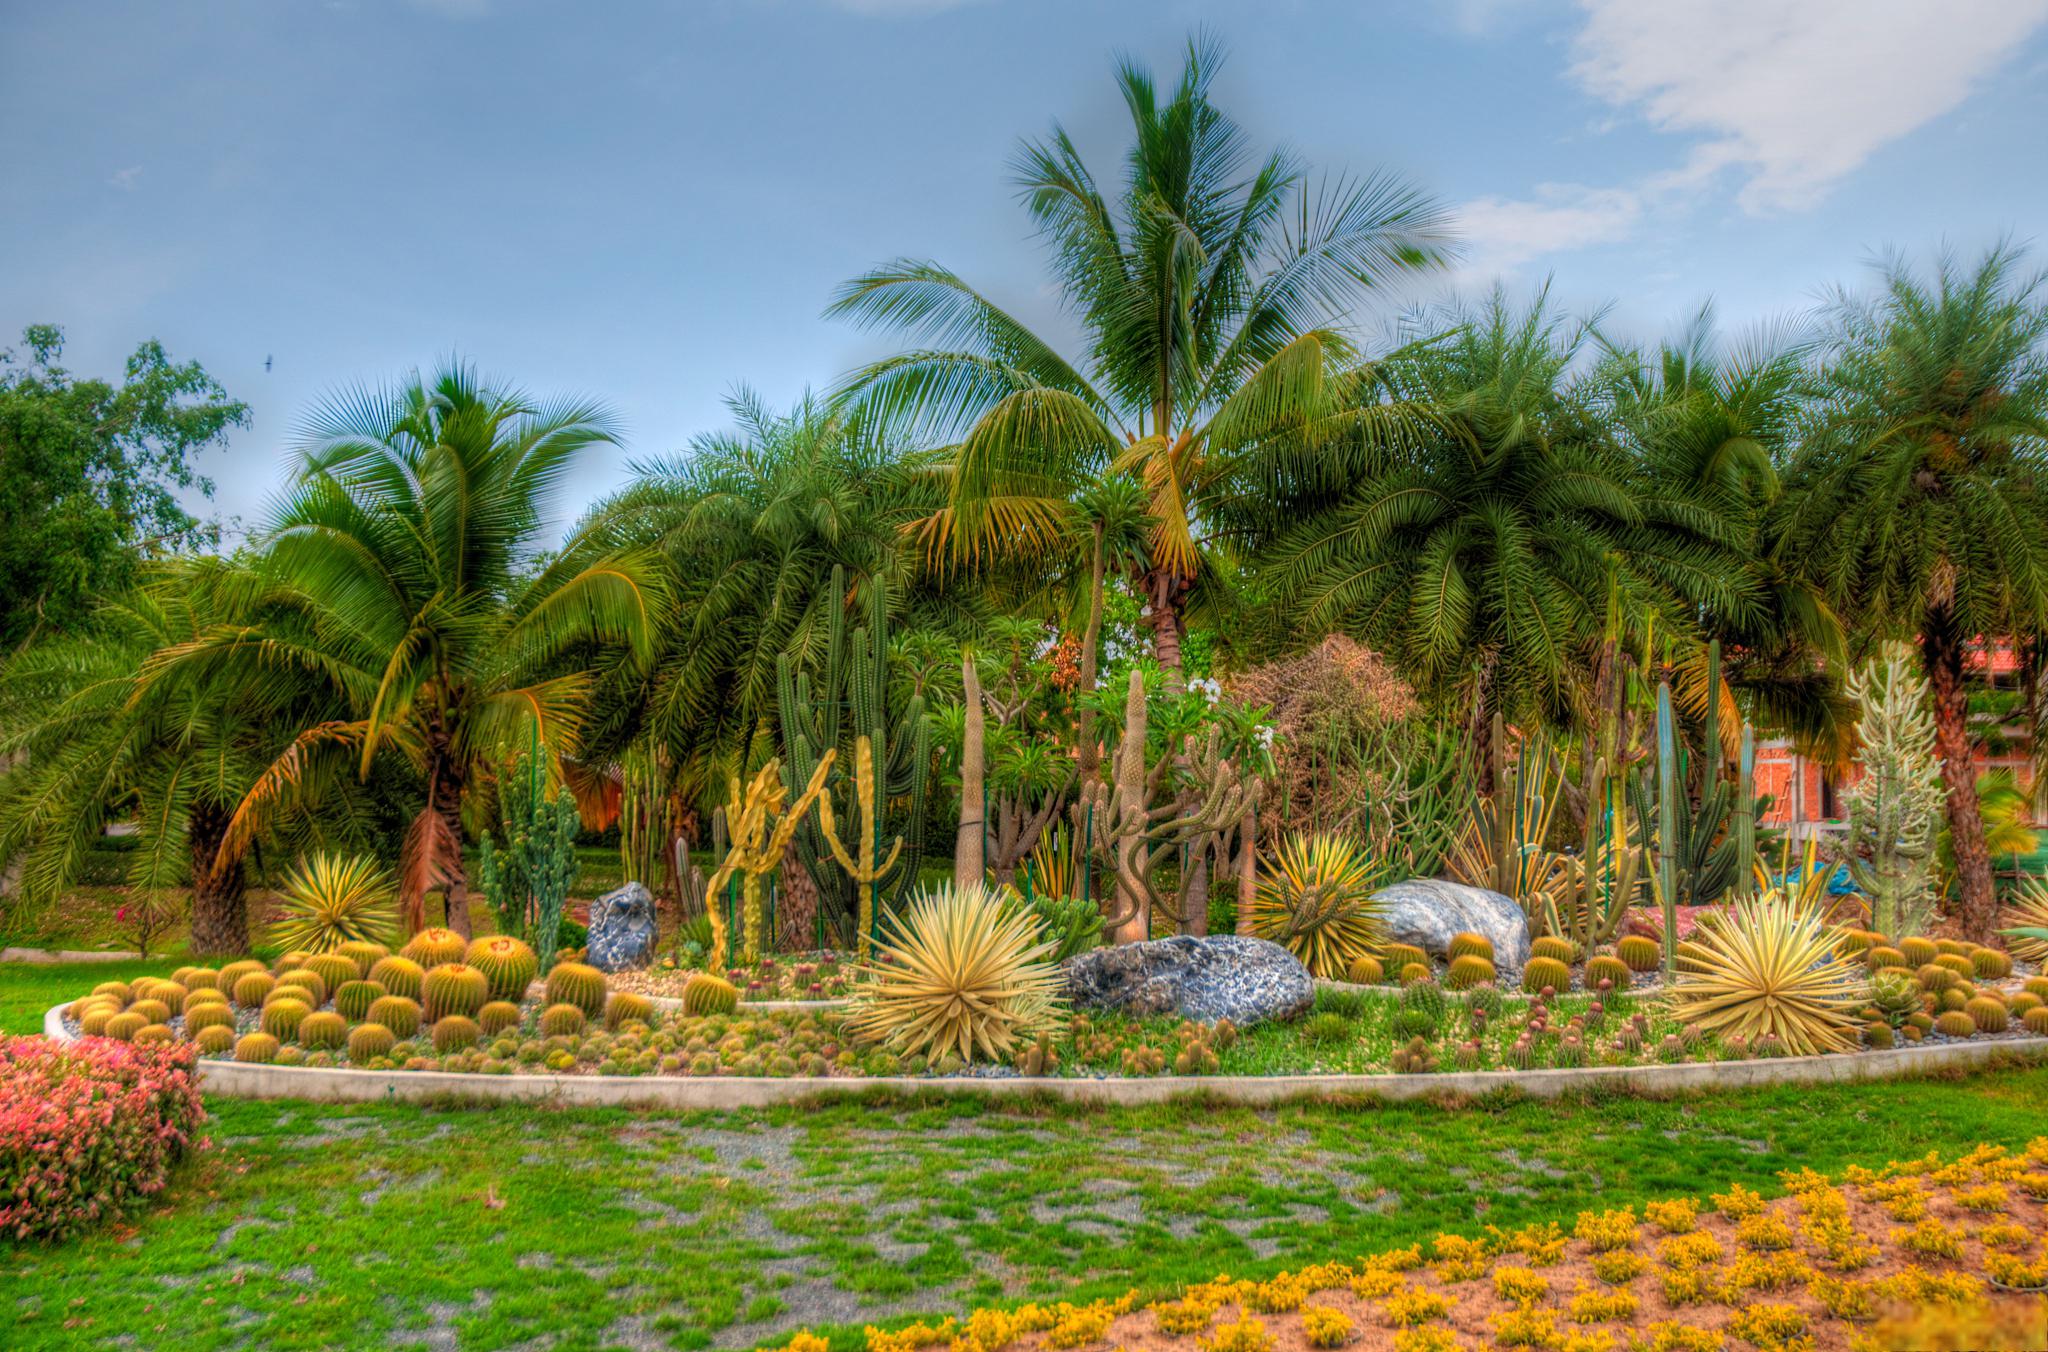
(958, 972)
(2029, 912)
(1316, 900)
(1770, 966)
(331, 900)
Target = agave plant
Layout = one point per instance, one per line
(958, 972)
(332, 899)
(1316, 900)
(2026, 929)
(1770, 967)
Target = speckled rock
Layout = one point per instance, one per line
(1426, 912)
(1222, 977)
(622, 929)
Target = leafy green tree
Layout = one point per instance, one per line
(1917, 498)
(1213, 291)
(89, 473)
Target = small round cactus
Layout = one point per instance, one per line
(1991, 964)
(1989, 1013)
(1934, 977)
(452, 988)
(1878, 1036)
(562, 1021)
(123, 1027)
(2036, 1020)
(252, 987)
(311, 982)
(506, 963)
(364, 954)
(201, 976)
(455, 1033)
(1413, 972)
(352, 999)
(400, 1015)
(286, 961)
(281, 1018)
(322, 1030)
(1957, 963)
(208, 1016)
(171, 995)
(1851, 942)
(1556, 947)
(1468, 970)
(575, 983)
(1546, 972)
(93, 1022)
(334, 969)
(152, 1010)
(1468, 942)
(370, 1041)
(2019, 1002)
(496, 1016)
(154, 1034)
(706, 994)
(1608, 967)
(1640, 952)
(1955, 1023)
(431, 948)
(258, 1049)
(119, 990)
(1955, 997)
(626, 1006)
(214, 1040)
(1396, 956)
(2036, 985)
(1918, 950)
(1884, 955)
(399, 976)
(1365, 970)
(234, 971)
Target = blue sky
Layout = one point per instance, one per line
(651, 203)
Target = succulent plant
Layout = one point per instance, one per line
(1469, 942)
(203, 997)
(1039, 1058)
(1935, 978)
(290, 1055)
(322, 1030)
(1414, 1022)
(201, 977)
(290, 958)
(509, 965)
(1955, 1023)
(400, 1015)
(1414, 1059)
(352, 999)
(213, 1040)
(252, 987)
(330, 900)
(706, 994)
(455, 1033)
(1918, 950)
(578, 984)
(1545, 973)
(153, 1034)
(1396, 956)
(169, 994)
(1884, 955)
(370, 1041)
(1954, 998)
(1317, 899)
(398, 976)
(364, 953)
(1365, 970)
(1608, 967)
(311, 982)
(334, 969)
(1878, 1036)
(1144, 1061)
(93, 1022)
(151, 1010)
(1990, 964)
(1772, 968)
(1640, 952)
(118, 990)
(2019, 1002)
(281, 1018)
(1415, 972)
(1555, 946)
(1989, 1013)
(626, 1006)
(497, 1016)
(452, 988)
(1895, 995)
(1958, 963)
(209, 1016)
(432, 947)
(2036, 1020)
(1468, 970)
(563, 1020)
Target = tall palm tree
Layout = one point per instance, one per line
(1918, 499)
(1212, 291)
(405, 569)
(1483, 556)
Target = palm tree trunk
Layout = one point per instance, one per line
(220, 912)
(1941, 651)
(1091, 657)
(447, 790)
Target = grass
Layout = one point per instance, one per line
(385, 1224)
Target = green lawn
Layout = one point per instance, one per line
(394, 1225)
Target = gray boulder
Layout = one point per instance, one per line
(622, 929)
(1426, 912)
(1227, 976)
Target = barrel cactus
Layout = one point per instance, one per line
(1557, 947)
(1469, 943)
(201, 976)
(2036, 1020)
(1414, 972)
(370, 1041)
(1918, 951)
(334, 969)
(251, 988)
(1546, 972)
(1366, 971)
(118, 990)
(234, 971)
(1989, 1013)
(1396, 956)
(1990, 964)
(208, 1016)
(281, 1018)
(214, 1040)
(507, 964)
(93, 1022)
(433, 947)
(1955, 1023)
(1640, 952)
(626, 1006)
(706, 994)
(171, 995)
(1608, 967)
(578, 984)
(562, 1021)
(152, 1010)
(1468, 970)
(311, 982)
(496, 1016)
(258, 1049)
(452, 988)
(154, 1034)
(323, 1030)
(123, 1027)
(352, 999)
(400, 1015)
(364, 953)
(398, 976)
(1879, 1036)
(455, 1033)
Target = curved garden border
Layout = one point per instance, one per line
(238, 1080)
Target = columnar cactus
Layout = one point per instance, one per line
(761, 822)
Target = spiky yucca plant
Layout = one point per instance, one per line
(332, 899)
(2026, 922)
(958, 972)
(1316, 900)
(1770, 967)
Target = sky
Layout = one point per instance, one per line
(651, 204)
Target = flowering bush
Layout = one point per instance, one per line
(88, 1130)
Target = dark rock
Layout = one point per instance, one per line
(1227, 976)
(1426, 912)
(622, 929)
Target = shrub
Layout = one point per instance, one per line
(1317, 901)
(330, 900)
(89, 1130)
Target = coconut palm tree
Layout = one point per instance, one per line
(1918, 500)
(1212, 291)
(404, 569)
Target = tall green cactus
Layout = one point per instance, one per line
(849, 699)
(528, 882)
(1667, 822)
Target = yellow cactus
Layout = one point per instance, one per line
(867, 872)
(762, 820)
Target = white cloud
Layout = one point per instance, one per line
(1501, 233)
(125, 179)
(1792, 96)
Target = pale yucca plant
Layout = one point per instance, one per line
(1770, 967)
(1316, 900)
(2026, 922)
(333, 899)
(958, 972)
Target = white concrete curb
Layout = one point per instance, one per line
(54, 956)
(236, 1080)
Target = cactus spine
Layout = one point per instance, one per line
(762, 822)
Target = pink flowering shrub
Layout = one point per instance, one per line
(89, 1129)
